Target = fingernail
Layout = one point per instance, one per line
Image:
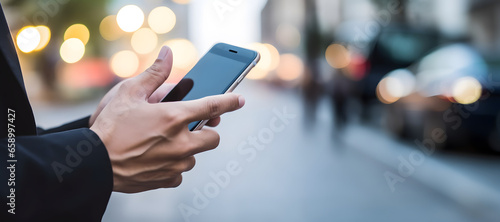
(163, 52)
(241, 101)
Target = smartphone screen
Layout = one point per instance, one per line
(215, 73)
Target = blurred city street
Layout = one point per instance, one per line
(358, 110)
(305, 171)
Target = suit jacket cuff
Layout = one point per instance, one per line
(81, 123)
(64, 176)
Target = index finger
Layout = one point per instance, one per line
(211, 107)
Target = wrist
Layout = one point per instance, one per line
(100, 134)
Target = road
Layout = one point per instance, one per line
(271, 166)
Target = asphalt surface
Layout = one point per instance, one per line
(272, 166)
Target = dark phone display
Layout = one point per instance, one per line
(212, 75)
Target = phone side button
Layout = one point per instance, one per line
(239, 80)
(235, 84)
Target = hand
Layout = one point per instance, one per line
(155, 98)
(149, 144)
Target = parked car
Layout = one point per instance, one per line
(451, 89)
(394, 48)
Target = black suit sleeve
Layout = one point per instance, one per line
(64, 176)
(81, 123)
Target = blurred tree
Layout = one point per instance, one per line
(58, 15)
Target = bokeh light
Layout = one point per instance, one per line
(467, 90)
(130, 18)
(337, 56)
(182, 2)
(45, 35)
(401, 83)
(185, 53)
(78, 31)
(269, 60)
(144, 41)
(162, 20)
(290, 67)
(275, 57)
(395, 87)
(109, 28)
(269, 56)
(259, 71)
(72, 50)
(124, 63)
(288, 36)
(28, 39)
(383, 94)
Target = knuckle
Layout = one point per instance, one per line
(156, 73)
(213, 107)
(187, 150)
(211, 140)
(188, 164)
(155, 68)
(177, 182)
(186, 147)
(173, 173)
(216, 138)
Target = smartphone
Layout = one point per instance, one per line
(219, 71)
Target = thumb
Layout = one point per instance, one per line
(156, 74)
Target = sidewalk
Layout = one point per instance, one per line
(470, 180)
(301, 173)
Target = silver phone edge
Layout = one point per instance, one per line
(233, 86)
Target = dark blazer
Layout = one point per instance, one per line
(61, 174)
